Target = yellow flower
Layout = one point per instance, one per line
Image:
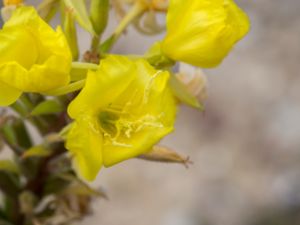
(123, 110)
(12, 2)
(202, 32)
(34, 57)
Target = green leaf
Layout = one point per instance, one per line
(36, 151)
(78, 187)
(16, 135)
(9, 166)
(55, 184)
(78, 7)
(180, 91)
(9, 183)
(47, 107)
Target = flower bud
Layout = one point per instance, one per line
(99, 15)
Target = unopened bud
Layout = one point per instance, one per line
(99, 15)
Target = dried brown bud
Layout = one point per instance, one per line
(164, 154)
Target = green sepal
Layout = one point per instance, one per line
(156, 57)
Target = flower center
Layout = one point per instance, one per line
(108, 121)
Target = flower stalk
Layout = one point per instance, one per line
(137, 10)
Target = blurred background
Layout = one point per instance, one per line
(245, 147)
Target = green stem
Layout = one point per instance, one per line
(75, 86)
(95, 43)
(83, 65)
(138, 8)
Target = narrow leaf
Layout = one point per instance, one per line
(78, 187)
(36, 151)
(9, 166)
(47, 107)
(16, 135)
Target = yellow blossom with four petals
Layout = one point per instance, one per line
(202, 32)
(124, 109)
(34, 57)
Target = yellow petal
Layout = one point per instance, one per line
(84, 141)
(102, 87)
(17, 45)
(49, 75)
(8, 95)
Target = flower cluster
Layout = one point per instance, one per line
(125, 105)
